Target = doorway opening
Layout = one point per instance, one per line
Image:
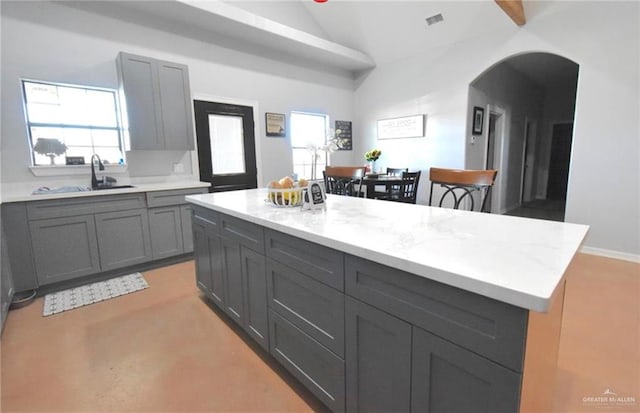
(226, 145)
(532, 154)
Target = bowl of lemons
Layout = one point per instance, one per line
(285, 192)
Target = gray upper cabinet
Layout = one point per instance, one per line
(157, 101)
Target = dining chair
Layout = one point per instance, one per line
(408, 191)
(389, 189)
(460, 185)
(396, 171)
(344, 180)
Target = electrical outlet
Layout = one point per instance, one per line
(178, 168)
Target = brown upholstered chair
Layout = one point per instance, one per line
(461, 184)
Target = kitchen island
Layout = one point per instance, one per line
(385, 306)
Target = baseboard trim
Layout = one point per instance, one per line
(625, 256)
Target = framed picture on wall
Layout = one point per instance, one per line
(478, 120)
(276, 125)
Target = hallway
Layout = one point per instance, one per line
(550, 210)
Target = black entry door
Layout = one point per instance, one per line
(226, 145)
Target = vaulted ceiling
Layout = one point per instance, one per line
(350, 35)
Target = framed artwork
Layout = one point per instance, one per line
(343, 135)
(404, 127)
(276, 124)
(478, 120)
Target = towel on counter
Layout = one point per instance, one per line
(62, 189)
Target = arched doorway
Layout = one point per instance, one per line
(529, 105)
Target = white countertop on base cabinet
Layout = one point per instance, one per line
(515, 260)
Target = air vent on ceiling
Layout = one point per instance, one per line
(436, 18)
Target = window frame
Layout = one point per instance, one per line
(45, 169)
(320, 165)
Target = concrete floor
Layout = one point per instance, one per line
(549, 210)
(164, 349)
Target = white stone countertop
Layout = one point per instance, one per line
(22, 193)
(519, 261)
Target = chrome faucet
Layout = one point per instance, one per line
(94, 179)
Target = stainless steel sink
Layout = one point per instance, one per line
(100, 188)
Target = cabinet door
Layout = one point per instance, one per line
(64, 248)
(6, 281)
(187, 234)
(175, 103)
(232, 268)
(139, 81)
(123, 238)
(208, 261)
(378, 357)
(166, 232)
(448, 378)
(254, 278)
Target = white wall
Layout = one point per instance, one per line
(603, 38)
(52, 42)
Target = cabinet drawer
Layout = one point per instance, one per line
(313, 307)
(172, 197)
(84, 206)
(206, 217)
(317, 368)
(247, 234)
(321, 263)
(488, 327)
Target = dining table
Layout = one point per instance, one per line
(370, 181)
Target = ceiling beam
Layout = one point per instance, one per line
(514, 9)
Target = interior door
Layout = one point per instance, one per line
(559, 162)
(226, 145)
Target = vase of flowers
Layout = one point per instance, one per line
(371, 157)
(331, 145)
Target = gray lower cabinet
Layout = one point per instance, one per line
(123, 238)
(187, 234)
(232, 272)
(208, 265)
(378, 360)
(321, 371)
(166, 232)
(254, 281)
(64, 248)
(361, 336)
(448, 378)
(6, 281)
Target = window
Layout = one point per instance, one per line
(308, 130)
(82, 118)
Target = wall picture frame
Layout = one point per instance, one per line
(276, 125)
(403, 127)
(478, 120)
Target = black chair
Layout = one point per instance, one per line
(460, 185)
(344, 180)
(408, 191)
(390, 188)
